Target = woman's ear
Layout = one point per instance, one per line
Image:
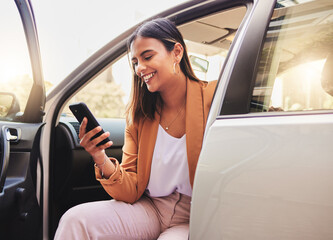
(178, 51)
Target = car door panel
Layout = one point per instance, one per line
(20, 212)
(20, 215)
(73, 172)
(79, 163)
(254, 174)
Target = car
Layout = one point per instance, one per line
(265, 168)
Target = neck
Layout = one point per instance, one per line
(175, 96)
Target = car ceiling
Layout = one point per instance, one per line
(215, 31)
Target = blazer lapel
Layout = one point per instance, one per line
(194, 125)
(147, 141)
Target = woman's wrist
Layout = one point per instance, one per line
(99, 158)
(106, 167)
(101, 166)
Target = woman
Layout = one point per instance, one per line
(166, 118)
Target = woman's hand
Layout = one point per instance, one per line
(97, 152)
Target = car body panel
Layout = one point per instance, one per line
(259, 186)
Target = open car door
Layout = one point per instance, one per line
(22, 99)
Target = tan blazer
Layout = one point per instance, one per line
(130, 179)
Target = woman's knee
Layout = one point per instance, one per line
(73, 224)
(178, 232)
(110, 218)
(73, 216)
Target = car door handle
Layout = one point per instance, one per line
(11, 137)
(13, 134)
(5, 139)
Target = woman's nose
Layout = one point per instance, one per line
(140, 68)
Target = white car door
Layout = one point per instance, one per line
(265, 170)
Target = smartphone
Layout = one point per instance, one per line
(81, 110)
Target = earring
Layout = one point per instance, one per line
(174, 68)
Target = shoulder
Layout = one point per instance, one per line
(203, 90)
(208, 88)
(204, 84)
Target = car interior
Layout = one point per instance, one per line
(72, 177)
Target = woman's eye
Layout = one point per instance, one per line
(147, 58)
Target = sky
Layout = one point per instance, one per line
(72, 30)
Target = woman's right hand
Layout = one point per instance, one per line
(97, 152)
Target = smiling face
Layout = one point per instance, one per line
(153, 63)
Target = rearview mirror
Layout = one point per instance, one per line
(9, 105)
(199, 64)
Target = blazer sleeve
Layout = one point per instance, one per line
(123, 184)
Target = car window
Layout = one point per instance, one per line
(15, 67)
(107, 95)
(295, 69)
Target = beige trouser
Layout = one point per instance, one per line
(148, 218)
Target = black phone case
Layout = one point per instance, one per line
(81, 110)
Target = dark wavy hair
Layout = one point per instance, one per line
(142, 102)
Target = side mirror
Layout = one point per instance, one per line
(9, 105)
(199, 64)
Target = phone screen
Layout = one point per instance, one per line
(81, 110)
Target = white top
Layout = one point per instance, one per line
(169, 169)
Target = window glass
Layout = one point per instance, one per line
(15, 68)
(107, 94)
(296, 65)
